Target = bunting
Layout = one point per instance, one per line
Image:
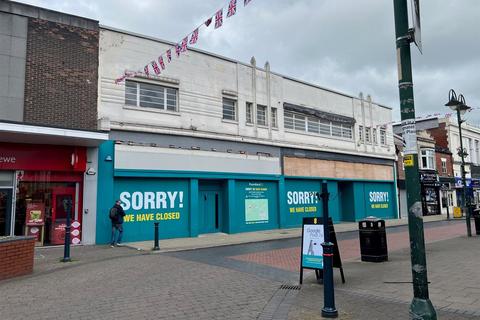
(183, 47)
(160, 61)
(191, 39)
(219, 18)
(194, 37)
(232, 8)
(155, 67)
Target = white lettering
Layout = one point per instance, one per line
(378, 196)
(137, 200)
(149, 200)
(289, 197)
(172, 196)
(11, 159)
(125, 199)
(161, 200)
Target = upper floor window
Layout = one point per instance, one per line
(444, 165)
(229, 109)
(428, 159)
(315, 125)
(374, 135)
(274, 118)
(368, 134)
(249, 112)
(149, 95)
(383, 137)
(261, 115)
(360, 133)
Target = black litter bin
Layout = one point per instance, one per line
(373, 240)
(476, 218)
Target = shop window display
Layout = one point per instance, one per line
(42, 206)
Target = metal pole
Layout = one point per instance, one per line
(329, 310)
(421, 306)
(466, 206)
(66, 249)
(156, 245)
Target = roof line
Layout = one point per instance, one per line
(234, 61)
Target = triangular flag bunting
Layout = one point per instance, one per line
(232, 8)
(194, 37)
(219, 18)
(169, 55)
(246, 2)
(208, 22)
(145, 69)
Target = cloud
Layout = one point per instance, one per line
(345, 45)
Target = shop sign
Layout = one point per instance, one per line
(152, 205)
(35, 214)
(429, 177)
(42, 157)
(379, 199)
(256, 203)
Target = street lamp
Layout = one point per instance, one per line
(458, 104)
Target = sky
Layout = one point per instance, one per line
(344, 45)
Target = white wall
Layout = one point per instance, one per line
(90, 198)
(201, 78)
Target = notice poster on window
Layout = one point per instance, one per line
(256, 203)
(312, 251)
(35, 214)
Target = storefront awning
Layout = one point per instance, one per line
(319, 114)
(25, 133)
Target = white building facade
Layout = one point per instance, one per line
(216, 145)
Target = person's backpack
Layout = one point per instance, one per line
(113, 213)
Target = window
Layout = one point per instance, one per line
(444, 165)
(374, 135)
(261, 115)
(383, 137)
(149, 95)
(360, 133)
(428, 159)
(249, 112)
(229, 112)
(315, 125)
(367, 134)
(274, 118)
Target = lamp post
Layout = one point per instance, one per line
(458, 104)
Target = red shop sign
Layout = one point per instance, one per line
(37, 157)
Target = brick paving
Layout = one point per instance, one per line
(289, 258)
(121, 283)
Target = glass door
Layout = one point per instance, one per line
(61, 196)
(5, 211)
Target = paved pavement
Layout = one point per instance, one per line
(223, 239)
(122, 283)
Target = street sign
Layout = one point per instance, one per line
(417, 30)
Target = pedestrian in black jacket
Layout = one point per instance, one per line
(116, 215)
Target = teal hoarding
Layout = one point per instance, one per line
(256, 206)
(379, 200)
(302, 200)
(146, 201)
